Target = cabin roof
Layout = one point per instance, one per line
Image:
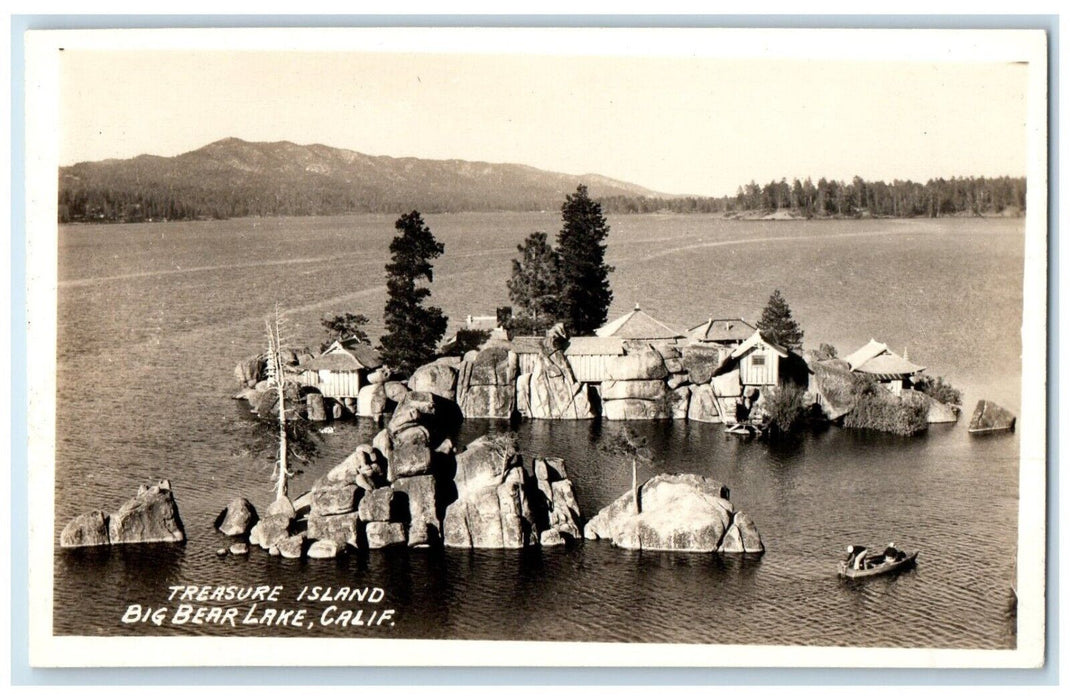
(720, 330)
(346, 355)
(876, 359)
(527, 344)
(593, 345)
(753, 340)
(637, 325)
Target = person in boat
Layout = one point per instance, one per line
(856, 556)
(891, 554)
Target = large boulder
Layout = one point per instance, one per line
(487, 401)
(151, 516)
(332, 499)
(237, 519)
(680, 401)
(484, 463)
(648, 390)
(420, 492)
(644, 364)
(486, 383)
(679, 512)
(249, 371)
(364, 468)
(989, 416)
(551, 391)
(700, 362)
(703, 405)
(380, 535)
(491, 510)
(270, 530)
(383, 444)
(411, 455)
(436, 378)
(417, 408)
(371, 401)
(86, 530)
(727, 384)
(324, 549)
(940, 412)
(494, 365)
(636, 409)
(342, 528)
(496, 516)
(379, 504)
(291, 547)
(395, 391)
(315, 408)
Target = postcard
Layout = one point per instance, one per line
(537, 347)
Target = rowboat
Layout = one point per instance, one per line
(878, 565)
(745, 428)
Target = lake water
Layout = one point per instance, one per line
(153, 317)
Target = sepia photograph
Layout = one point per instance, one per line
(435, 346)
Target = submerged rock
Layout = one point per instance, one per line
(323, 549)
(679, 512)
(989, 417)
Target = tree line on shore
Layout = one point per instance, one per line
(825, 198)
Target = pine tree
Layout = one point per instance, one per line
(413, 330)
(585, 292)
(778, 325)
(348, 326)
(535, 285)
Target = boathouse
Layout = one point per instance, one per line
(342, 369)
(586, 355)
(762, 363)
(875, 361)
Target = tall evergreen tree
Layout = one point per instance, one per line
(535, 285)
(585, 292)
(778, 325)
(413, 330)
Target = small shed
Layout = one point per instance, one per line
(875, 361)
(342, 368)
(764, 363)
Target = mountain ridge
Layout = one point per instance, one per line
(234, 177)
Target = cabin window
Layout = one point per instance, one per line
(758, 360)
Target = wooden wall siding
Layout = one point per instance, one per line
(337, 385)
(755, 374)
(527, 362)
(589, 368)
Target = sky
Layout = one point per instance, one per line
(675, 124)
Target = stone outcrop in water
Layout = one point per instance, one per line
(991, 417)
(502, 505)
(679, 512)
(237, 519)
(276, 525)
(151, 516)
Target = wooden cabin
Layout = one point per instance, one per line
(875, 361)
(763, 363)
(342, 369)
(586, 355)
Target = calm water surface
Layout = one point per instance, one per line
(152, 319)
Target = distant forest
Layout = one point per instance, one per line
(827, 198)
(830, 198)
